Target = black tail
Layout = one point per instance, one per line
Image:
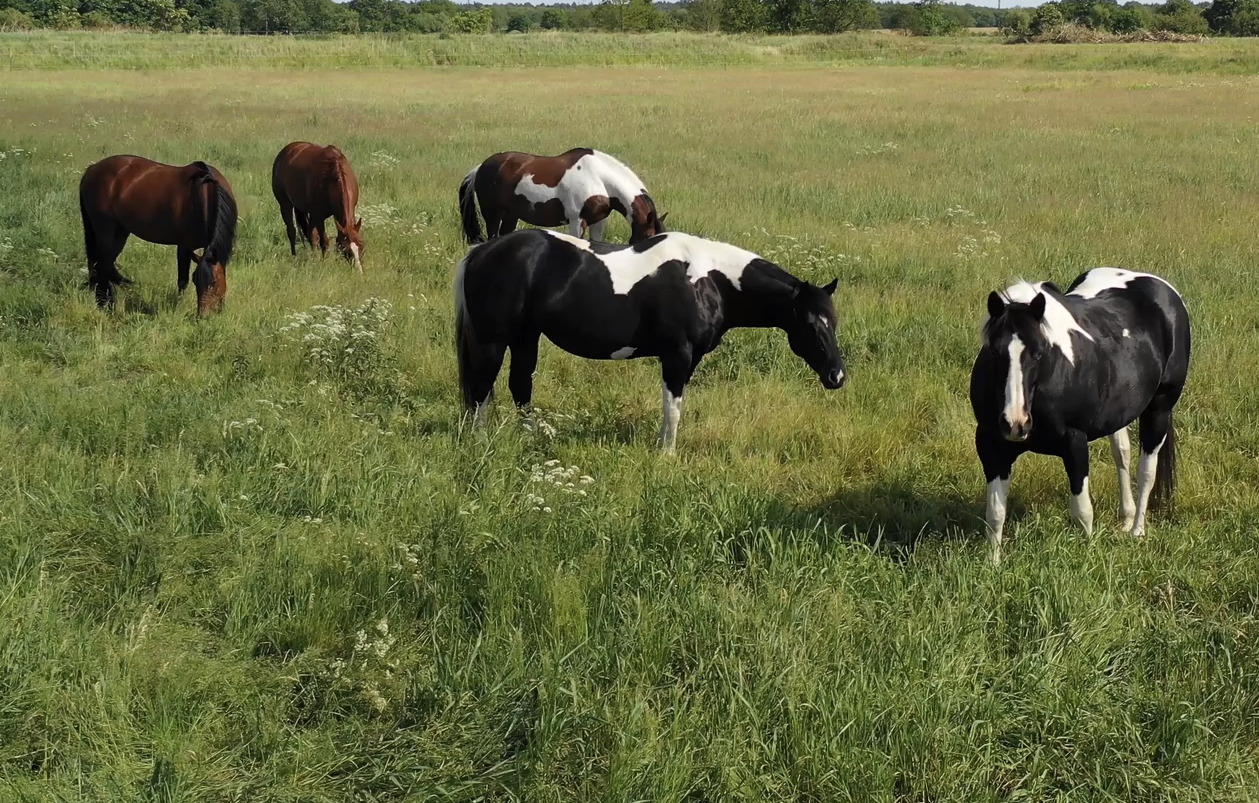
(467, 209)
(221, 223)
(1165, 472)
(465, 339)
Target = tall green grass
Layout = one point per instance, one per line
(232, 571)
(46, 50)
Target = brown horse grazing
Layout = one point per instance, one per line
(314, 184)
(578, 189)
(189, 207)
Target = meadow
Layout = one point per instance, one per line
(259, 558)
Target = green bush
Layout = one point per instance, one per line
(1180, 16)
(1130, 19)
(1046, 18)
(554, 19)
(13, 20)
(933, 21)
(1018, 23)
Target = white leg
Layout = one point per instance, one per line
(482, 412)
(596, 230)
(1147, 467)
(574, 227)
(670, 414)
(1082, 508)
(1121, 452)
(998, 491)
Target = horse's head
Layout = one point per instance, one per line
(644, 222)
(1014, 344)
(349, 243)
(810, 328)
(210, 294)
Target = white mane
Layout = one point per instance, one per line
(615, 173)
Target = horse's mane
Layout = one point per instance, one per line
(627, 175)
(333, 171)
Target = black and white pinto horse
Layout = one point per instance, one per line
(672, 297)
(1058, 370)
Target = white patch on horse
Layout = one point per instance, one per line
(595, 173)
(624, 353)
(1015, 412)
(570, 239)
(1058, 323)
(994, 515)
(670, 414)
(1098, 280)
(1147, 468)
(1120, 452)
(1082, 508)
(1125, 333)
(358, 260)
(629, 267)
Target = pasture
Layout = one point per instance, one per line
(257, 557)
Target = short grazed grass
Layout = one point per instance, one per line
(239, 561)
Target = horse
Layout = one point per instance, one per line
(1088, 362)
(189, 207)
(314, 183)
(579, 189)
(672, 297)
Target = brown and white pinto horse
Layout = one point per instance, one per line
(314, 183)
(189, 207)
(578, 189)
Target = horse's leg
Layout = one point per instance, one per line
(575, 227)
(111, 244)
(675, 372)
(323, 236)
(488, 361)
(183, 259)
(1155, 427)
(286, 214)
(493, 221)
(507, 226)
(303, 223)
(524, 360)
(1075, 458)
(997, 461)
(1121, 451)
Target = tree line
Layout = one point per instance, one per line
(925, 17)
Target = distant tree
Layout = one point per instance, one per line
(224, 16)
(1180, 16)
(836, 16)
(904, 17)
(1045, 18)
(932, 21)
(554, 19)
(960, 15)
(703, 15)
(1233, 17)
(13, 20)
(742, 16)
(1018, 23)
(520, 22)
(785, 16)
(641, 16)
(473, 20)
(610, 14)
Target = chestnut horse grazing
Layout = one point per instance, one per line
(189, 207)
(315, 183)
(578, 189)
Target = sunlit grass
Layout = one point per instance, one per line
(232, 569)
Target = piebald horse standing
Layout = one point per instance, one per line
(1058, 370)
(578, 189)
(314, 183)
(672, 297)
(189, 207)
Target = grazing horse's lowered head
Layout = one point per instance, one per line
(349, 243)
(810, 324)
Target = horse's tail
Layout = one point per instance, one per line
(465, 335)
(220, 219)
(467, 208)
(1165, 471)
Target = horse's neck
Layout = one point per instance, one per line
(617, 179)
(760, 301)
(337, 180)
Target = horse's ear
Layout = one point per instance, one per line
(830, 288)
(358, 225)
(996, 304)
(662, 217)
(1038, 306)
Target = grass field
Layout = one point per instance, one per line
(231, 570)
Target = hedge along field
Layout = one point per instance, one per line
(258, 558)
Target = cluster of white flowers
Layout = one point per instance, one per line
(378, 215)
(544, 423)
(567, 480)
(48, 252)
(886, 147)
(15, 152)
(410, 560)
(385, 160)
(6, 245)
(241, 428)
(368, 665)
(331, 335)
(791, 253)
(957, 214)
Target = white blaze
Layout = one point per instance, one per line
(1015, 412)
(358, 260)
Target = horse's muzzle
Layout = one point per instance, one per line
(833, 380)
